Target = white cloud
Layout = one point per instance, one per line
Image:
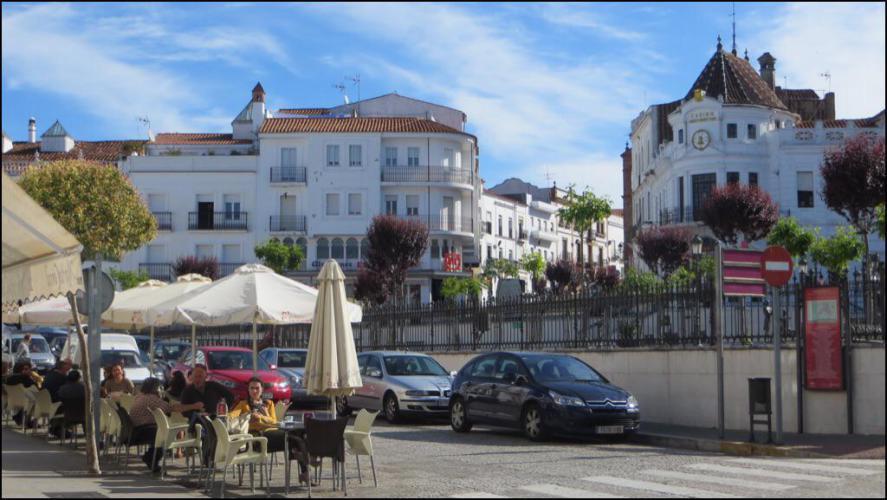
(584, 16)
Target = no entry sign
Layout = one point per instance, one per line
(776, 264)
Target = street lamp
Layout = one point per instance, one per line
(696, 245)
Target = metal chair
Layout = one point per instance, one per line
(359, 441)
(324, 439)
(127, 436)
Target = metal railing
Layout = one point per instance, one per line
(679, 216)
(437, 222)
(226, 268)
(427, 174)
(164, 220)
(217, 221)
(162, 271)
(298, 223)
(289, 174)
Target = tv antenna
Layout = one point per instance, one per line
(355, 81)
(734, 28)
(341, 88)
(146, 122)
(828, 76)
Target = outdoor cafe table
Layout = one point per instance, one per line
(287, 428)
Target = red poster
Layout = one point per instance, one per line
(823, 339)
(452, 262)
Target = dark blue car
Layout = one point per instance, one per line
(541, 394)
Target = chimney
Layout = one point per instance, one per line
(32, 130)
(768, 69)
(628, 218)
(258, 93)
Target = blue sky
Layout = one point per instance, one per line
(549, 89)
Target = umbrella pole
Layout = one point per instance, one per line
(255, 347)
(151, 353)
(333, 406)
(193, 345)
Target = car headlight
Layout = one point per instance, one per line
(632, 403)
(560, 399)
(227, 383)
(282, 385)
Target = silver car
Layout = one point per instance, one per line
(42, 359)
(291, 364)
(400, 383)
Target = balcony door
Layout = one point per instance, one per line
(205, 214)
(448, 213)
(288, 213)
(702, 186)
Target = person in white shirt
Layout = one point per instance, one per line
(23, 351)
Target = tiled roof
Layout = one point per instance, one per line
(735, 80)
(56, 130)
(858, 123)
(355, 125)
(198, 139)
(23, 154)
(796, 94)
(304, 111)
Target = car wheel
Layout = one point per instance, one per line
(342, 407)
(532, 425)
(459, 417)
(392, 409)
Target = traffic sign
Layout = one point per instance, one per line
(776, 264)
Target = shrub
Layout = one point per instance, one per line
(204, 266)
(737, 209)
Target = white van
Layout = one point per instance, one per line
(116, 347)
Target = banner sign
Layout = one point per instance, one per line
(452, 262)
(824, 368)
(743, 276)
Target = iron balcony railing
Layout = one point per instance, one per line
(427, 174)
(289, 174)
(679, 215)
(162, 271)
(164, 220)
(438, 222)
(297, 223)
(217, 221)
(226, 268)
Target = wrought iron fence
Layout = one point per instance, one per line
(427, 174)
(213, 221)
(296, 223)
(289, 174)
(158, 271)
(164, 220)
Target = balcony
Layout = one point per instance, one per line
(543, 235)
(427, 174)
(157, 270)
(438, 223)
(346, 265)
(226, 268)
(217, 221)
(291, 175)
(683, 215)
(164, 220)
(288, 223)
(522, 234)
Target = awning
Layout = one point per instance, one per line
(40, 258)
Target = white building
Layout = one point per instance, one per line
(734, 125)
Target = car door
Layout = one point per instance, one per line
(507, 395)
(478, 389)
(357, 400)
(374, 385)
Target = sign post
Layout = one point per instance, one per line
(776, 264)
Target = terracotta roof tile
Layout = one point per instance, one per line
(871, 122)
(197, 139)
(23, 154)
(796, 94)
(736, 80)
(355, 125)
(304, 111)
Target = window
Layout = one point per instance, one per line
(332, 203)
(435, 250)
(390, 157)
(204, 251)
(351, 249)
(354, 204)
(731, 131)
(732, 177)
(364, 248)
(500, 225)
(510, 228)
(391, 204)
(484, 368)
(232, 207)
(500, 253)
(355, 153)
(231, 254)
(413, 157)
(448, 157)
(805, 189)
(302, 243)
(680, 136)
(681, 199)
(323, 249)
(413, 204)
(752, 131)
(752, 178)
(288, 157)
(489, 252)
(337, 249)
(332, 155)
(702, 184)
(510, 255)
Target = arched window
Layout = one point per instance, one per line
(351, 250)
(337, 250)
(323, 249)
(364, 248)
(302, 243)
(288, 241)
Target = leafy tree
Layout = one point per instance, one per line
(582, 211)
(881, 221)
(604, 277)
(737, 209)
(101, 208)
(533, 263)
(791, 235)
(279, 256)
(204, 266)
(370, 286)
(395, 246)
(564, 275)
(837, 252)
(635, 279)
(454, 287)
(664, 248)
(128, 279)
(853, 178)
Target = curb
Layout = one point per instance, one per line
(738, 448)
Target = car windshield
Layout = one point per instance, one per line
(560, 369)
(413, 365)
(234, 360)
(130, 359)
(291, 359)
(143, 343)
(172, 351)
(38, 345)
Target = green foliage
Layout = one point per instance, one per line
(681, 277)
(500, 268)
(706, 266)
(94, 202)
(128, 279)
(836, 252)
(791, 235)
(279, 256)
(881, 222)
(453, 287)
(635, 279)
(584, 210)
(533, 263)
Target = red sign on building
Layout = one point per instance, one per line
(452, 262)
(742, 273)
(823, 339)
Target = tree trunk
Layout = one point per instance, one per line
(92, 456)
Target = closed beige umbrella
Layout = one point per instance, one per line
(331, 368)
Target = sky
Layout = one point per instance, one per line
(549, 89)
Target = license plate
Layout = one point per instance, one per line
(609, 429)
(267, 395)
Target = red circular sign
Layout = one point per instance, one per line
(776, 266)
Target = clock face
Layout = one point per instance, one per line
(701, 139)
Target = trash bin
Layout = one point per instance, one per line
(759, 403)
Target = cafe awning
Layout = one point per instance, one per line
(40, 258)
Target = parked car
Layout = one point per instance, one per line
(116, 348)
(233, 367)
(50, 333)
(291, 364)
(541, 394)
(167, 353)
(42, 358)
(400, 383)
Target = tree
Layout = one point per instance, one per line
(204, 266)
(881, 221)
(278, 256)
(791, 235)
(837, 252)
(564, 276)
(395, 246)
(853, 178)
(737, 209)
(102, 209)
(128, 279)
(664, 248)
(370, 286)
(533, 263)
(583, 211)
(454, 287)
(605, 278)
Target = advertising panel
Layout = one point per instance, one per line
(823, 339)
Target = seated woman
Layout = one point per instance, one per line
(263, 422)
(176, 385)
(143, 422)
(116, 382)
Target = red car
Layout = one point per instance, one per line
(233, 367)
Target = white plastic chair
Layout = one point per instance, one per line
(280, 409)
(359, 441)
(227, 454)
(18, 399)
(44, 407)
(166, 439)
(126, 401)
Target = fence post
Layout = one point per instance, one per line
(799, 351)
(848, 346)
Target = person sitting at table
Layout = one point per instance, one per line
(263, 422)
(56, 378)
(207, 392)
(21, 375)
(144, 425)
(72, 392)
(176, 385)
(116, 382)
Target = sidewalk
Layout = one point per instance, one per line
(34, 468)
(736, 442)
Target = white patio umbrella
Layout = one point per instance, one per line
(117, 316)
(331, 367)
(253, 294)
(49, 312)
